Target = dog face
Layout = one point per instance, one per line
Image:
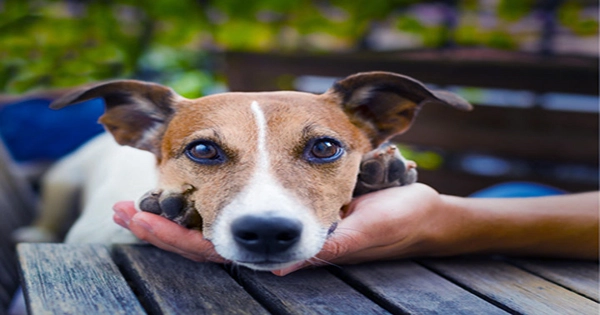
(263, 174)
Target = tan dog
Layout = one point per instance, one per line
(263, 175)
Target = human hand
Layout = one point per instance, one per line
(165, 234)
(390, 223)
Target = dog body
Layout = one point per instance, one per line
(93, 179)
(263, 175)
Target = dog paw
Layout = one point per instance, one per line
(175, 206)
(384, 167)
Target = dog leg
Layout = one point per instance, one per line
(384, 167)
(174, 206)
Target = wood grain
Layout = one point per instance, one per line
(74, 279)
(170, 284)
(579, 276)
(512, 287)
(306, 292)
(408, 288)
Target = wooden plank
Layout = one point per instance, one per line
(512, 287)
(579, 276)
(471, 67)
(408, 288)
(306, 292)
(171, 284)
(515, 132)
(74, 279)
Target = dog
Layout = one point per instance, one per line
(263, 175)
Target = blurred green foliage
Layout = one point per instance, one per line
(51, 43)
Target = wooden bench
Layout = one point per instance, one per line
(126, 279)
(538, 145)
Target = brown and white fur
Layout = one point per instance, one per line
(263, 175)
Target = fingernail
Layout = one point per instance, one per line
(119, 221)
(143, 224)
(122, 215)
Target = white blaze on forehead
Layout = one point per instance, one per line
(261, 123)
(264, 191)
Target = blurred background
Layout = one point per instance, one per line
(529, 66)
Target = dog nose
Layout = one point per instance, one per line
(266, 235)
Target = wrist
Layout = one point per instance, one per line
(463, 226)
(445, 228)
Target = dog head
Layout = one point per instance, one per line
(266, 172)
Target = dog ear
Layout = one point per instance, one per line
(385, 104)
(136, 112)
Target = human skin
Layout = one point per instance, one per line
(416, 220)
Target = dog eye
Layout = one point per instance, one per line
(324, 150)
(204, 152)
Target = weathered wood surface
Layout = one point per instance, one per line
(174, 285)
(514, 288)
(306, 292)
(74, 279)
(579, 276)
(80, 279)
(408, 288)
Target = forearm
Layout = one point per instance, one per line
(564, 226)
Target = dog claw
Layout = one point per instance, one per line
(174, 206)
(382, 168)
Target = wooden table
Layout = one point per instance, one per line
(124, 279)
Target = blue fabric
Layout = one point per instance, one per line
(33, 132)
(517, 190)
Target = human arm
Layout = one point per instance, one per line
(555, 226)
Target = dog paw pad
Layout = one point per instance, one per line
(172, 206)
(150, 202)
(383, 168)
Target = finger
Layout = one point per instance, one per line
(155, 229)
(124, 210)
(170, 236)
(339, 244)
(147, 230)
(118, 220)
(285, 271)
(331, 250)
